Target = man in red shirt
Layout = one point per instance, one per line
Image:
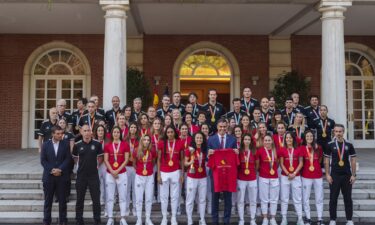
(219, 142)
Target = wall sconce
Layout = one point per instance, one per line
(255, 80)
(307, 79)
(157, 80)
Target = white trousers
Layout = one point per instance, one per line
(111, 184)
(319, 195)
(249, 189)
(170, 180)
(130, 171)
(269, 194)
(141, 184)
(291, 186)
(209, 186)
(194, 186)
(102, 171)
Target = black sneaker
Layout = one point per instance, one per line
(307, 221)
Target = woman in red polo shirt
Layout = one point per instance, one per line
(261, 132)
(245, 124)
(121, 121)
(279, 137)
(247, 179)
(291, 163)
(267, 162)
(144, 124)
(133, 140)
(312, 176)
(144, 161)
(189, 121)
(156, 134)
(116, 156)
(195, 158)
(170, 172)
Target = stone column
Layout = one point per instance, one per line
(333, 88)
(114, 79)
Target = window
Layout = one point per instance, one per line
(205, 64)
(357, 64)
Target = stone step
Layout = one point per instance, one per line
(37, 217)
(37, 184)
(37, 194)
(37, 206)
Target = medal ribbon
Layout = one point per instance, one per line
(325, 126)
(247, 159)
(271, 158)
(171, 150)
(212, 113)
(237, 119)
(198, 154)
(247, 106)
(311, 156)
(115, 150)
(156, 140)
(291, 157)
(340, 154)
(281, 142)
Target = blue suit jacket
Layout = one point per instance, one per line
(214, 142)
(49, 160)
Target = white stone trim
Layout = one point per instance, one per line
(26, 93)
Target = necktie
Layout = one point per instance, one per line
(222, 142)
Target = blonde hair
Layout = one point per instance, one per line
(259, 140)
(302, 126)
(141, 148)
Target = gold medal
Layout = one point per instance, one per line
(170, 163)
(311, 168)
(341, 163)
(144, 172)
(247, 171)
(324, 135)
(272, 172)
(115, 164)
(291, 168)
(200, 169)
(213, 119)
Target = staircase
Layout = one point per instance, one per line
(21, 201)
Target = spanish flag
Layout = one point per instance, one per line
(156, 98)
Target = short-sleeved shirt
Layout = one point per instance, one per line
(86, 119)
(332, 153)
(199, 156)
(69, 136)
(265, 163)
(45, 130)
(169, 155)
(319, 125)
(249, 106)
(111, 116)
(122, 150)
(88, 154)
(216, 111)
(250, 166)
(67, 116)
(284, 153)
(180, 107)
(145, 162)
(306, 173)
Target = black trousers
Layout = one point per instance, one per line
(215, 204)
(92, 182)
(54, 185)
(341, 182)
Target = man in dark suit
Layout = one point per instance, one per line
(221, 140)
(56, 159)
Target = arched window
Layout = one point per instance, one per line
(57, 73)
(205, 64)
(360, 82)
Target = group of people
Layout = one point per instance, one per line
(161, 154)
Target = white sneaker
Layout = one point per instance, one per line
(164, 221)
(273, 221)
(149, 222)
(174, 221)
(284, 221)
(123, 222)
(241, 222)
(350, 222)
(202, 222)
(110, 221)
(105, 214)
(265, 221)
(252, 222)
(139, 222)
(300, 222)
(332, 222)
